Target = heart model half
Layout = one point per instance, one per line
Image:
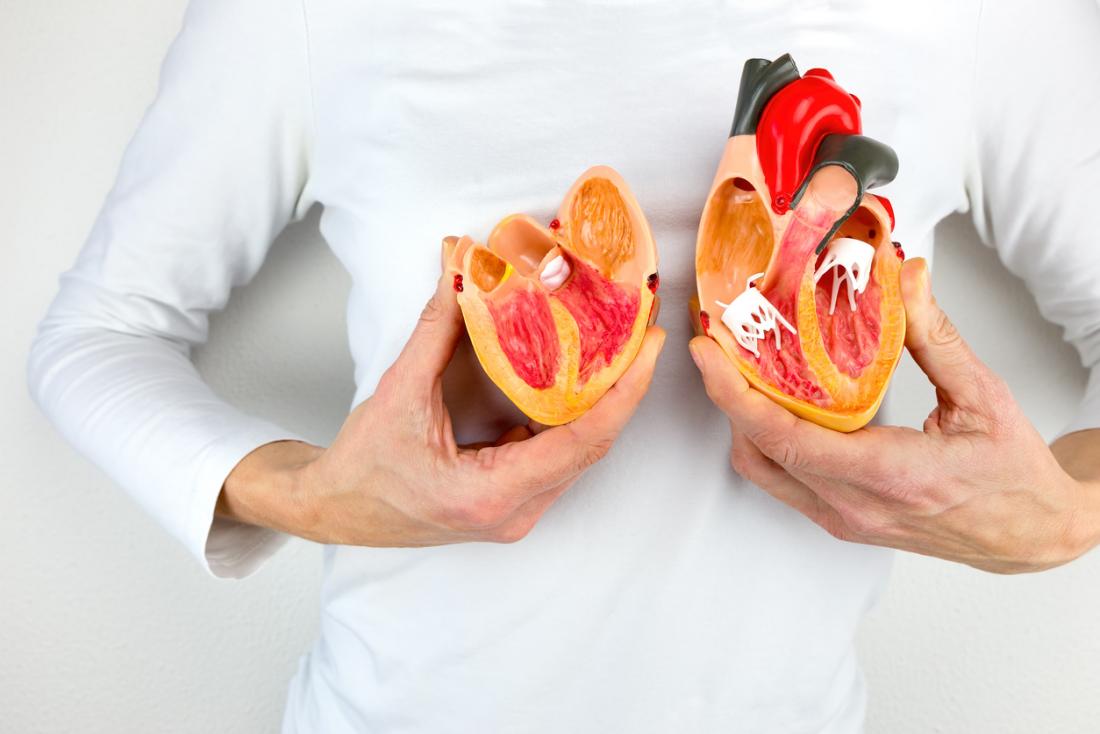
(797, 276)
(557, 313)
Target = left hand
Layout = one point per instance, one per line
(978, 485)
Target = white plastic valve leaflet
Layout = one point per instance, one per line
(751, 316)
(555, 273)
(851, 262)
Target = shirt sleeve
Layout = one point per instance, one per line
(215, 170)
(1034, 183)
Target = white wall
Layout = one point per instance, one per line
(107, 626)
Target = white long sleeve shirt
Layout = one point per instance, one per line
(663, 593)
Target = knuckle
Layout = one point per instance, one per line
(781, 449)
(590, 449)
(598, 448)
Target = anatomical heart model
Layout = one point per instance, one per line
(798, 278)
(557, 312)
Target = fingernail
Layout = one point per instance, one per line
(695, 356)
(664, 337)
(924, 283)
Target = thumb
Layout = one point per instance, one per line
(433, 340)
(723, 382)
(936, 345)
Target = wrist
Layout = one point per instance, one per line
(1085, 527)
(266, 487)
(1078, 453)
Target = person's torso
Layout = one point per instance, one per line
(662, 593)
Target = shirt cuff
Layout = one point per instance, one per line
(227, 548)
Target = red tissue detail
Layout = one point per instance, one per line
(527, 336)
(653, 281)
(900, 253)
(888, 207)
(604, 312)
(792, 125)
(851, 338)
(787, 368)
(704, 321)
(555, 224)
(458, 283)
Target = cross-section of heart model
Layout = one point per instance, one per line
(797, 273)
(557, 312)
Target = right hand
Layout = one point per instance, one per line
(395, 476)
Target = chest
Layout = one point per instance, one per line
(438, 118)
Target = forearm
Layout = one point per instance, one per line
(1079, 455)
(265, 490)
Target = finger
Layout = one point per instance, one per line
(936, 345)
(513, 434)
(833, 187)
(447, 251)
(654, 311)
(693, 316)
(781, 436)
(536, 428)
(611, 412)
(453, 252)
(557, 455)
(433, 340)
(748, 461)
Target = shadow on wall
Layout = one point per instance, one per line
(951, 649)
(279, 350)
(988, 304)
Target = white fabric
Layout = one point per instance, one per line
(663, 593)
